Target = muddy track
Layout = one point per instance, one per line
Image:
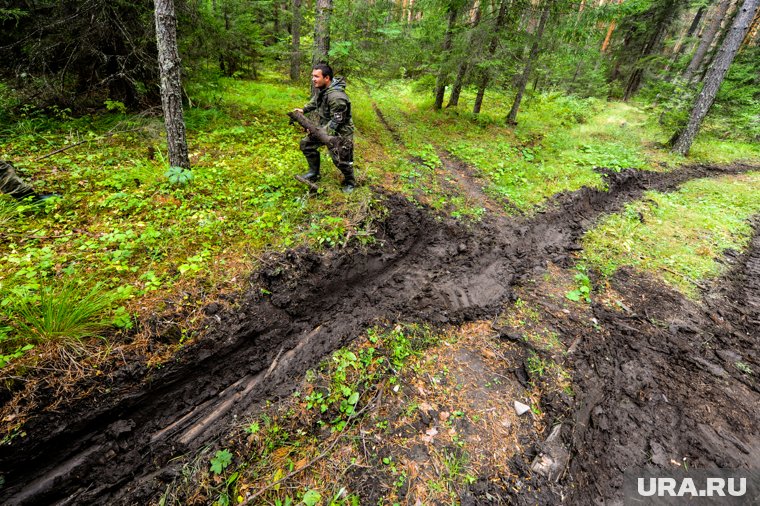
(669, 385)
(122, 448)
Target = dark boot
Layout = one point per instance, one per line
(313, 174)
(349, 182)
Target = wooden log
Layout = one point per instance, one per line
(314, 130)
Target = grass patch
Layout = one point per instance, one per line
(129, 223)
(680, 235)
(67, 312)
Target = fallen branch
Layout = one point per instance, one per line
(104, 136)
(687, 278)
(313, 129)
(34, 237)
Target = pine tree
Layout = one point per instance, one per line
(682, 140)
(171, 84)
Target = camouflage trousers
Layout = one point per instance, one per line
(11, 184)
(342, 155)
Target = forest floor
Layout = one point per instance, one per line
(388, 370)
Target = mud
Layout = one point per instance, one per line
(123, 447)
(668, 387)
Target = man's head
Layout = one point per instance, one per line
(321, 76)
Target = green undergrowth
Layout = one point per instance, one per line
(132, 225)
(404, 414)
(129, 223)
(556, 146)
(295, 451)
(679, 236)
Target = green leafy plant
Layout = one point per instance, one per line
(743, 367)
(220, 461)
(535, 365)
(9, 350)
(8, 211)
(311, 498)
(583, 290)
(317, 399)
(179, 175)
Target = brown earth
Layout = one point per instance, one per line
(643, 385)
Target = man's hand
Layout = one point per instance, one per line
(298, 110)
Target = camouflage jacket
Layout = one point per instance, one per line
(334, 108)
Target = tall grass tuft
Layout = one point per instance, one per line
(65, 312)
(8, 211)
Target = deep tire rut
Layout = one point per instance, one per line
(121, 447)
(668, 386)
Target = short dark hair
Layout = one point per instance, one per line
(324, 68)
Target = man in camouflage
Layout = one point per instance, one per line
(11, 184)
(334, 108)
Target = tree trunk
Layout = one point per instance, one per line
(608, 37)
(276, 20)
(171, 84)
(753, 31)
(707, 40)
(295, 47)
(456, 90)
(651, 45)
(682, 141)
(464, 65)
(322, 32)
(680, 47)
(484, 76)
(440, 82)
(512, 117)
(718, 42)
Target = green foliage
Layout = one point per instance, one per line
(311, 498)
(674, 111)
(583, 290)
(743, 367)
(678, 235)
(9, 350)
(736, 111)
(535, 365)
(351, 373)
(220, 461)
(609, 156)
(116, 106)
(64, 311)
(8, 210)
(86, 72)
(179, 175)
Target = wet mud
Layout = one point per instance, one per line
(672, 385)
(124, 446)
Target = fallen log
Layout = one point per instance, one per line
(313, 129)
